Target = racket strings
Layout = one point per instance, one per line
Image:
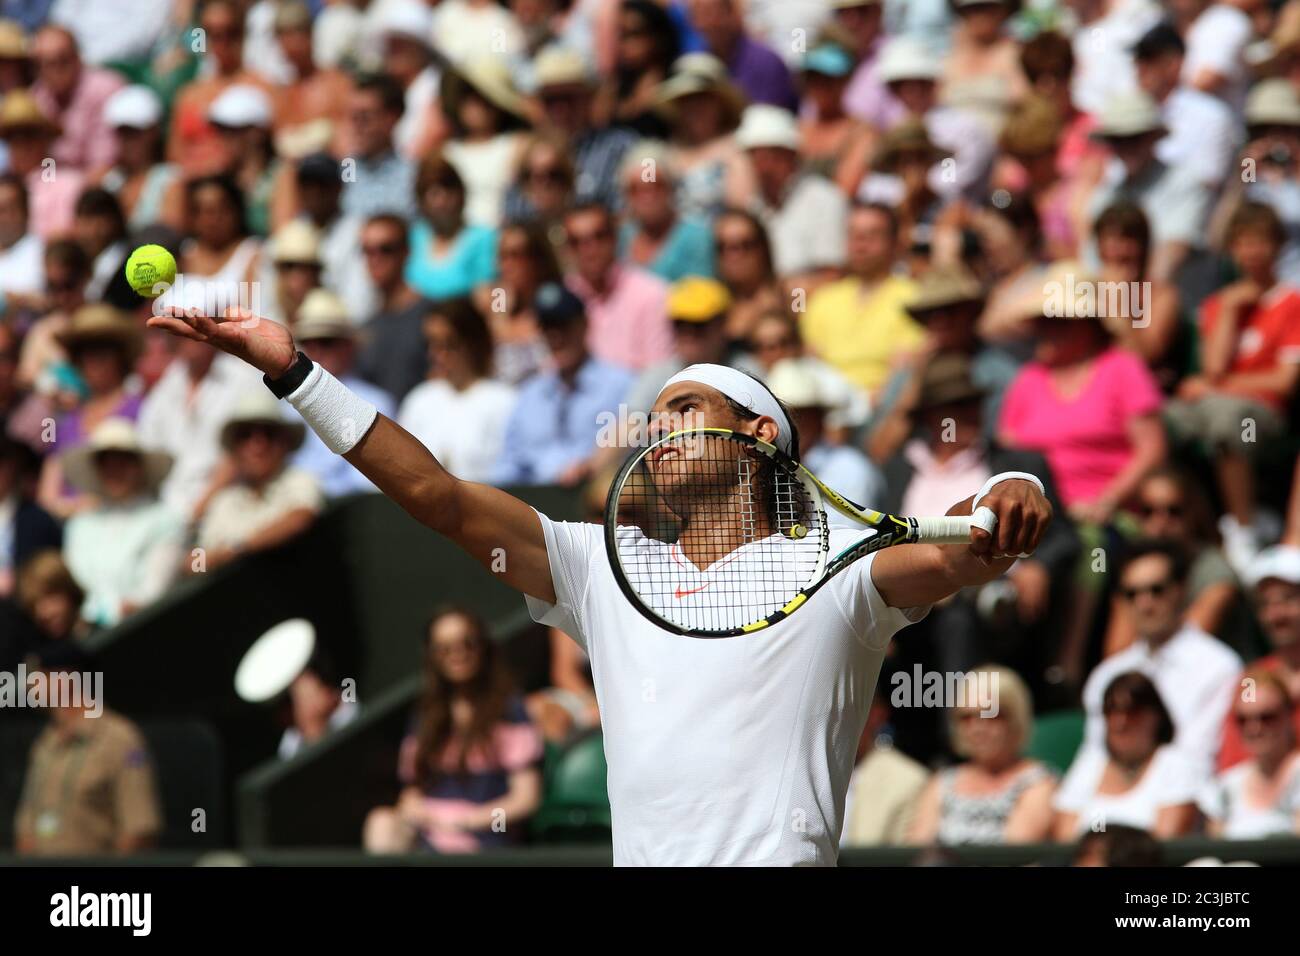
(713, 535)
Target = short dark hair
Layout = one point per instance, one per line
(229, 187)
(1257, 216)
(1122, 846)
(470, 327)
(391, 96)
(1050, 54)
(398, 222)
(100, 203)
(1128, 220)
(745, 414)
(890, 214)
(436, 170)
(69, 254)
(15, 182)
(589, 206)
(1140, 692)
(1171, 551)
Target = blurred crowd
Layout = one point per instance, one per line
(956, 237)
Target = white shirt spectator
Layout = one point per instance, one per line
(291, 741)
(262, 54)
(775, 22)
(1169, 780)
(22, 266)
(237, 512)
(964, 175)
(113, 32)
(186, 422)
(1217, 41)
(808, 231)
(335, 36)
(1195, 675)
(462, 32)
(1175, 202)
(1227, 802)
(420, 98)
(1203, 135)
(464, 430)
(1103, 55)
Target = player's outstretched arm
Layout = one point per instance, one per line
(915, 575)
(487, 522)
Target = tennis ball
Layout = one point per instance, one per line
(148, 267)
(798, 531)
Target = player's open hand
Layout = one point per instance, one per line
(263, 344)
(1023, 513)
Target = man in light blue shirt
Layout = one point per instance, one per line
(552, 434)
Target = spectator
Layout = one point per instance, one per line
(1174, 200)
(1029, 144)
(1049, 64)
(89, 787)
(51, 598)
(460, 413)
(885, 789)
(126, 549)
(317, 97)
(139, 178)
(984, 53)
(860, 323)
(22, 272)
(317, 706)
(654, 236)
(804, 213)
(103, 345)
(1137, 779)
(998, 795)
(1010, 241)
(551, 435)
(412, 82)
(74, 95)
(1216, 48)
(183, 414)
(1172, 507)
(1202, 128)
(295, 269)
(1118, 845)
(469, 763)
(1193, 671)
(812, 400)
(866, 97)
(754, 67)
(29, 135)
(193, 143)
(566, 90)
(471, 29)
(1250, 332)
(1152, 325)
(903, 166)
(219, 258)
(382, 180)
(66, 268)
(264, 502)
(543, 190)
(242, 117)
(746, 268)
(624, 305)
(327, 334)
(25, 527)
(647, 48)
(527, 262)
(449, 257)
(1103, 44)
(1275, 582)
(1259, 797)
(15, 57)
(393, 355)
(485, 113)
(836, 144)
(100, 228)
(703, 110)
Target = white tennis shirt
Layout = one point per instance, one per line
(724, 751)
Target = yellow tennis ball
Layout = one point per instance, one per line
(798, 531)
(149, 269)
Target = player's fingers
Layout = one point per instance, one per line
(1009, 525)
(1031, 530)
(175, 327)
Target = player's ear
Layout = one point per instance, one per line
(766, 428)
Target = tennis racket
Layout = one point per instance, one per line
(714, 533)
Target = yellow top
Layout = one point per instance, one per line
(862, 336)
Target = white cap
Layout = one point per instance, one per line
(906, 58)
(796, 382)
(408, 18)
(763, 125)
(1281, 561)
(136, 107)
(241, 105)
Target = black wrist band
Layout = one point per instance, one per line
(288, 383)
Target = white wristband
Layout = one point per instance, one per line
(1005, 476)
(337, 414)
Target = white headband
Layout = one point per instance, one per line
(743, 390)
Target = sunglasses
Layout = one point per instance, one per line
(582, 239)
(1156, 590)
(382, 249)
(550, 176)
(740, 245)
(1127, 708)
(243, 433)
(1265, 718)
(1169, 511)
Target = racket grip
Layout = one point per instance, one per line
(954, 529)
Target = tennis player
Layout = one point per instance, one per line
(731, 751)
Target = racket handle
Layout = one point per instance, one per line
(954, 529)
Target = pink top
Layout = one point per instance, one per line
(1084, 438)
(86, 142)
(629, 325)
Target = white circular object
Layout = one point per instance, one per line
(275, 660)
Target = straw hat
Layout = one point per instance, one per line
(701, 73)
(296, 241)
(1129, 114)
(19, 110)
(490, 78)
(796, 382)
(322, 315)
(910, 136)
(906, 58)
(1273, 103)
(947, 380)
(559, 66)
(260, 407)
(119, 435)
(944, 286)
(765, 126)
(1033, 128)
(13, 42)
(100, 323)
